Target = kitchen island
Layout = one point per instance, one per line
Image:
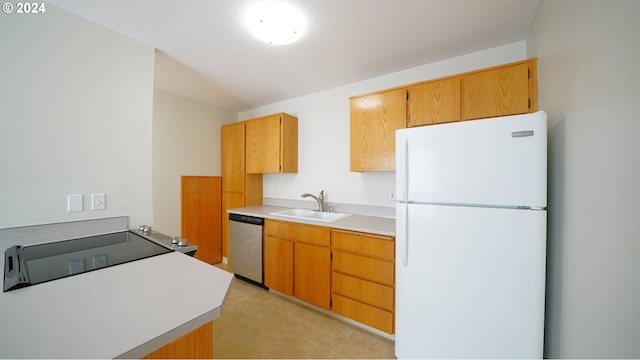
(123, 311)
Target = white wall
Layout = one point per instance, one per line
(323, 118)
(186, 141)
(76, 112)
(588, 83)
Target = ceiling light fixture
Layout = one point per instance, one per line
(275, 23)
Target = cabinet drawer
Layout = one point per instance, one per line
(317, 235)
(366, 314)
(379, 271)
(378, 246)
(365, 291)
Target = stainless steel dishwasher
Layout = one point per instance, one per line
(245, 248)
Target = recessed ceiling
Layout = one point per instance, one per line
(345, 41)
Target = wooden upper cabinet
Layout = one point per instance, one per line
(433, 102)
(499, 91)
(272, 144)
(232, 157)
(374, 121)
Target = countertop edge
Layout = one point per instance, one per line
(170, 336)
(362, 223)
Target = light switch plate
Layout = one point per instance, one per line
(74, 202)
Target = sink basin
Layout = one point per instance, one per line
(307, 214)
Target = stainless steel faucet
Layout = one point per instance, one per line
(319, 199)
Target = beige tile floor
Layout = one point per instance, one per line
(257, 324)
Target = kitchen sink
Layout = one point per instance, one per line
(311, 214)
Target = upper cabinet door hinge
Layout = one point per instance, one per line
(528, 73)
(408, 95)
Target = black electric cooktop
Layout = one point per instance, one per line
(35, 264)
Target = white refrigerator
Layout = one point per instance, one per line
(471, 238)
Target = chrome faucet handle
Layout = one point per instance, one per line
(318, 199)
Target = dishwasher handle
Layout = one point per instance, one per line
(246, 219)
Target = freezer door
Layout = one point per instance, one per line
(499, 161)
(473, 283)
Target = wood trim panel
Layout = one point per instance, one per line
(197, 344)
(200, 215)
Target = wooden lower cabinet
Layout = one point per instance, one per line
(311, 280)
(348, 272)
(366, 314)
(297, 261)
(197, 344)
(278, 264)
(363, 278)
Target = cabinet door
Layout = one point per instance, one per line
(200, 218)
(374, 120)
(230, 200)
(434, 102)
(289, 147)
(278, 264)
(312, 281)
(232, 157)
(263, 145)
(496, 92)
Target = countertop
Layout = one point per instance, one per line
(369, 224)
(127, 310)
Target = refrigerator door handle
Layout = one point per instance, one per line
(404, 170)
(402, 233)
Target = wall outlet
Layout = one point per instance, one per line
(98, 202)
(272, 189)
(392, 194)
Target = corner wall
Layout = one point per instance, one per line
(588, 83)
(186, 141)
(76, 117)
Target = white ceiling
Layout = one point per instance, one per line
(346, 41)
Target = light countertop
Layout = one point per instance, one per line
(363, 223)
(127, 310)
